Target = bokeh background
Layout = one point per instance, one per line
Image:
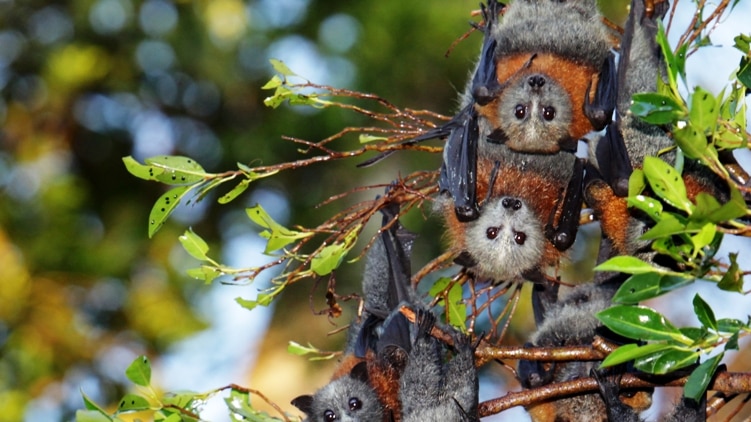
(85, 82)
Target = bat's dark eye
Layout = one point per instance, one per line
(491, 232)
(548, 113)
(355, 403)
(520, 111)
(520, 238)
(511, 203)
(329, 415)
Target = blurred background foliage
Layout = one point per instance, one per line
(86, 82)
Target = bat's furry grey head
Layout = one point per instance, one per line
(346, 399)
(507, 239)
(535, 113)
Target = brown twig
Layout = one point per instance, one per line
(727, 382)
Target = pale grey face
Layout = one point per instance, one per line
(534, 114)
(506, 240)
(348, 400)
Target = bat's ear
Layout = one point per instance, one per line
(304, 403)
(360, 372)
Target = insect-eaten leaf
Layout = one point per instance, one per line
(235, 192)
(692, 141)
(139, 371)
(698, 382)
(650, 206)
(177, 170)
(667, 183)
(640, 323)
(281, 68)
(704, 110)
(278, 236)
(263, 299)
(194, 245)
(133, 403)
(164, 207)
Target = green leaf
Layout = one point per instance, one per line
(744, 72)
(692, 141)
(649, 206)
(636, 182)
(274, 82)
(698, 381)
(734, 208)
(629, 352)
(329, 258)
(743, 43)
(704, 110)
(298, 349)
(627, 264)
(640, 323)
(194, 245)
(706, 205)
(139, 170)
(241, 408)
(205, 273)
(91, 405)
(657, 109)
(439, 286)
(365, 138)
(666, 361)
(732, 280)
(281, 68)
(638, 287)
(667, 183)
(177, 170)
(278, 236)
(730, 325)
(732, 343)
(705, 236)
(182, 400)
(704, 313)
(139, 371)
(235, 192)
(694, 333)
(262, 299)
(668, 225)
(456, 309)
(132, 403)
(164, 207)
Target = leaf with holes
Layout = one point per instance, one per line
(176, 170)
(667, 183)
(139, 371)
(691, 140)
(649, 206)
(164, 207)
(704, 110)
(139, 170)
(133, 403)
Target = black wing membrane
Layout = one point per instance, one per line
(485, 84)
(459, 168)
(600, 111)
(563, 235)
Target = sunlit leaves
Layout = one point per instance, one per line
(139, 371)
(330, 256)
(298, 349)
(667, 183)
(164, 207)
(278, 236)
